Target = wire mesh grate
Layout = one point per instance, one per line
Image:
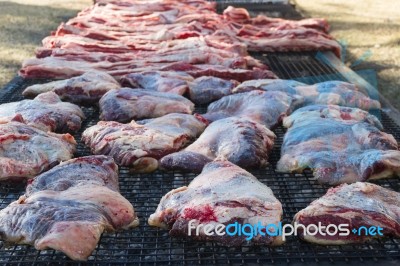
(147, 245)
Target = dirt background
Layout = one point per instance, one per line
(23, 25)
(369, 27)
(371, 30)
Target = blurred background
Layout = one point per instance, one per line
(368, 28)
(23, 25)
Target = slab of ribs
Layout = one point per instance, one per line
(46, 112)
(68, 208)
(359, 204)
(126, 104)
(27, 151)
(140, 146)
(222, 194)
(126, 36)
(240, 141)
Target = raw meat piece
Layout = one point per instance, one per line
(68, 208)
(177, 124)
(240, 141)
(27, 151)
(206, 89)
(259, 39)
(154, 18)
(66, 66)
(194, 50)
(278, 23)
(85, 89)
(241, 15)
(97, 170)
(155, 33)
(46, 112)
(130, 47)
(264, 107)
(59, 67)
(125, 104)
(55, 68)
(288, 86)
(163, 81)
(134, 37)
(140, 14)
(140, 146)
(329, 92)
(358, 204)
(220, 71)
(339, 93)
(223, 193)
(201, 90)
(262, 35)
(160, 5)
(332, 112)
(339, 151)
(141, 59)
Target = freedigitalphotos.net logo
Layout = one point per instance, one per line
(273, 230)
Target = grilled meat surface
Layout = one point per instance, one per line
(46, 112)
(125, 104)
(240, 141)
(118, 59)
(105, 37)
(339, 93)
(359, 204)
(140, 146)
(68, 208)
(85, 89)
(162, 81)
(339, 151)
(267, 108)
(223, 193)
(285, 85)
(206, 89)
(329, 92)
(200, 70)
(27, 151)
(335, 112)
(202, 90)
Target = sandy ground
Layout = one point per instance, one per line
(369, 27)
(371, 30)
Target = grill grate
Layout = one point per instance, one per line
(144, 245)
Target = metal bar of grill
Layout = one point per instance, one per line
(147, 245)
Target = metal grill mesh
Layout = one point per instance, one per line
(144, 245)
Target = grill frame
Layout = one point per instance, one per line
(147, 245)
